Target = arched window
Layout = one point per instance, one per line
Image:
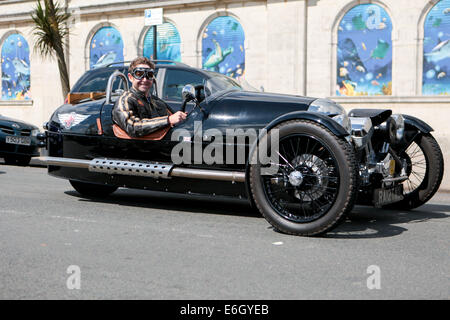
(168, 43)
(15, 68)
(106, 47)
(223, 47)
(436, 50)
(364, 52)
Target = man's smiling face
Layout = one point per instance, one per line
(144, 84)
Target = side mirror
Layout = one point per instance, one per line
(188, 92)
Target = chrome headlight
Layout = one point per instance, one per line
(331, 108)
(362, 131)
(344, 121)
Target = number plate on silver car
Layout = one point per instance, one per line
(386, 196)
(24, 141)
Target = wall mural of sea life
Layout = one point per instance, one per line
(436, 50)
(106, 47)
(364, 52)
(168, 43)
(223, 48)
(15, 68)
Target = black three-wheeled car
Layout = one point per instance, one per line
(319, 160)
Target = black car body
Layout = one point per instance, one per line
(18, 141)
(325, 161)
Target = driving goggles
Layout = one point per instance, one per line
(140, 73)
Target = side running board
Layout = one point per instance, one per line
(144, 169)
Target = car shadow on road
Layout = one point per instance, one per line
(368, 222)
(362, 222)
(2, 172)
(175, 202)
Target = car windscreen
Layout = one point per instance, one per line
(218, 84)
(97, 80)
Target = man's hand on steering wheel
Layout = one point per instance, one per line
(177, 117)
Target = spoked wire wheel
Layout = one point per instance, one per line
(315, 182)
(416, 168)
(425, 169)
(307, 182)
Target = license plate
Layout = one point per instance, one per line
(386, 196)
(24, 141)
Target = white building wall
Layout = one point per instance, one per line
(290, 48)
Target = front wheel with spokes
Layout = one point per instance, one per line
(425, 169)
(316, 180)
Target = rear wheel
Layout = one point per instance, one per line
(91, 189)
(315, 184)
(425, 169)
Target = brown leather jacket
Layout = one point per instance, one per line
(139, 115)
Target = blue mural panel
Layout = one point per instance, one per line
(436, 50)
(15, 68)
(223, 47)
(106, 47)
(364, 52)
(168, 43)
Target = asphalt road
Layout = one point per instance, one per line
(55, 244)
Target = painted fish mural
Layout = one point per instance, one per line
(216, 57)
(168, 43)
(223, 47)
(436, 50)
(380, 50)
(105, 59)
(439, 52)
(106, 47)
(20, 66)
(364, 52)
(15, 68)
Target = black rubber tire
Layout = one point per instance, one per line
(23, 161)
(433, 176)
(344, 155)
(91, 189)
(9, 160)
(17, 160)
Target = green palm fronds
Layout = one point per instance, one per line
(50, 31)
(50, 27)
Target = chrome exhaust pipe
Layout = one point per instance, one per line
(65, 162)
(233, 176)
(144, 169)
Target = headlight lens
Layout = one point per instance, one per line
(326, 106)
(332, 109)
(344, 121)
(34, 132)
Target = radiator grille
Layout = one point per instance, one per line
(6, 129)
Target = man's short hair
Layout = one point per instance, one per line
(140, 60)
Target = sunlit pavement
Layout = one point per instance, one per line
(144, 245)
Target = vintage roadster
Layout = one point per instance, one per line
(319, 161)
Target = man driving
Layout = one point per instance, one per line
(137, 111)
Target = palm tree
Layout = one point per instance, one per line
(50, 31)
